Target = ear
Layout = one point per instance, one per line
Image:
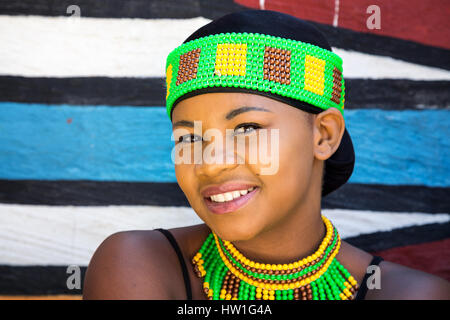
(328, 126)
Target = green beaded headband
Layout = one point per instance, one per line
(254, 61)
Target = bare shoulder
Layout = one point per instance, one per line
(398, 282)
(138, 264)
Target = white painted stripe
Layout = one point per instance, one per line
(36, 46)
(63, 235)
(261, 4)
(64, 47)
(336, 13)
(352, 223)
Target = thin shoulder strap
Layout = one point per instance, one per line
(361, 294)
(175, 246)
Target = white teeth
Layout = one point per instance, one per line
(228, 196)
(236, 194)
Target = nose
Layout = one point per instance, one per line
(217, 158)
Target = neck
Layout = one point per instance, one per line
(297, 236)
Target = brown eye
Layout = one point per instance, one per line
(244, 128)
(188, 138)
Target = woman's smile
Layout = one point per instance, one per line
(228, 197)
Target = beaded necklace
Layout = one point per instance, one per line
(228, 275)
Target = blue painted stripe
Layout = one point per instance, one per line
(62, 142)
(409, 147)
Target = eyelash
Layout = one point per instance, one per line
(249, 124)
(183, 139)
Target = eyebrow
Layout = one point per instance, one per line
(230, 115)
(183, 123)
(235, 112)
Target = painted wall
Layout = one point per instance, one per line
(85, 140)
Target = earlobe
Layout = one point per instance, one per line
(328, 127)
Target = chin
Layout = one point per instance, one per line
(234, 230)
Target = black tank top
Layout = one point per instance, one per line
(360, 295)
(173, 242)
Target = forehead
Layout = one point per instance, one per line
(223, 102)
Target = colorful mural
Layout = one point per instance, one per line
(85, 139)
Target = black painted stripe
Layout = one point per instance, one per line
(401, 237)
(144, 9)
(98, 193)
(398, 198)
(385, 94)
(33, 280)
(338, 37)
(84, 90)
(37, 280)
(91, 193)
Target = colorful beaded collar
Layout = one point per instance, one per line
(256, 61)
(228, 275)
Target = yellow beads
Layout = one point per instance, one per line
(168, 78)
(343, 296)
(265, 294)
(223, 293)
(199, 262)
(197, 256)
(231, 59)
(239, 256)
(352, 280)
(314, 74)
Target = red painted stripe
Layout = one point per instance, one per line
(431, 257)
(421, 21)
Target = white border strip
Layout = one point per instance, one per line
(63, 235)
(35, 46)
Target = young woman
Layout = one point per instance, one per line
(263, 236)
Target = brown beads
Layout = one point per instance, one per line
(277, 65)
(197, 270)
(230, 286)
(188, 66)
(337, 82)
(303, 293)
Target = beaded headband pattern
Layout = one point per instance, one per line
(255, 61)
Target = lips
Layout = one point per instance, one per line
(226, 187)
(228, 197)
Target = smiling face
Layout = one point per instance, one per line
(235, 199)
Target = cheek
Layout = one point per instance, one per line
(286, 187)
(188, 182)
(296, 159)
(185, 178)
